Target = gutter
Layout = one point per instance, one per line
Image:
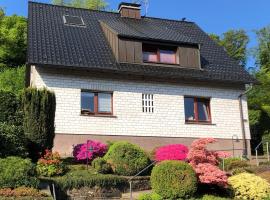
(245, 151)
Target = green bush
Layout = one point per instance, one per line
(174, 179)
(249, 186)
(16, 172)
(89, 178)
(213, 197)
(101, 166)
(234, 163)
(150, 196)
(12, 140)
(39, 113)
(126, 158)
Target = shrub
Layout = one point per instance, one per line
(50, 165)
(89, 178)
(171, 152)
(205, 163)
(126, 159)
(16, 172)
(21, 192)
(233, 163)
(213, 197)
(101, 166)
(249, 186)
(39, 113)
(173, 179)
(82, 151)
(150, 196)
(12, 140)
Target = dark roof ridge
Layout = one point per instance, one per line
(109, 12)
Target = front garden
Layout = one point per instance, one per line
(98, 170)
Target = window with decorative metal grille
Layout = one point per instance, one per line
(148, 103)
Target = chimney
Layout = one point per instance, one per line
(130, 10)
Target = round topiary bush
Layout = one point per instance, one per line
(126, 159)
(249, 186)
(101, 166)
(173, 180)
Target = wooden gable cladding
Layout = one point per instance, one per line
(130, 51)
(189, 56)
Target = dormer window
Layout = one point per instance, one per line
(159, 54)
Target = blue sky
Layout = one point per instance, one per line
(213, 16)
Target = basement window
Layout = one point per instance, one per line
(73, 20)
(148, 103)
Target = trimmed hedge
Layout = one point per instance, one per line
(101, 166)
(16, 172)
(173, 180)
(234, 163)
(150, 196)
(126, 159)
(39, 113)
(86, 178)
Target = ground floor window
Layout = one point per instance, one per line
(96, 102)
(197, 109)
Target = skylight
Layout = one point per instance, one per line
(73, 20)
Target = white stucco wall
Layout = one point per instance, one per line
(167, 120)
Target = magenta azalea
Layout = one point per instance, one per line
(90, 149)
(171, 152)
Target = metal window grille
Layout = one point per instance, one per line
(148, 103)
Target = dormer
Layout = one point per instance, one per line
(135, 40)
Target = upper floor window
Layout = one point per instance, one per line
(197, 109)
(159, 54)
(96, 102)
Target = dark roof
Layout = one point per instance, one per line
(52, 43)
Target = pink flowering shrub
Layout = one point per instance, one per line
(90, 149)
(171, 152)
(205, 162)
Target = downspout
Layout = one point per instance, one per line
(242, 120)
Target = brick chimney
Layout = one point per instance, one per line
(130, 10)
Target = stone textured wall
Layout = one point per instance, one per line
(168, 119)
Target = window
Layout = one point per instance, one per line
(197, 109)
(147, 103)
(159, 54)
(96, 103)
(73, 20)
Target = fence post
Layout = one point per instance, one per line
(130, 189)
(267, 149)
(257, 157)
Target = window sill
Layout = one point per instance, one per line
(200, 123)
(98, 115)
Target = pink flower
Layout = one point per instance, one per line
(90, 149)
(171, 152)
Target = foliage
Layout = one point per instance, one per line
(12, 140)
(149, 196)
(101, 166)
(12, 40)
(16, 172)
(249, 186)
(213, 197)
(205, 162)
(82, 151)
(235, 43)
(12, 79)
(88, 4)
(50, 164)
(126, 158)
(234, 163)
(39, 113)
(89, 178)
(21, 192)
(171, 152)
(173, 179)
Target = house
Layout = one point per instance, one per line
(123, 76)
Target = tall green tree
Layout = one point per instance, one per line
(235, 43)
(12, 40)
(88, 4)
